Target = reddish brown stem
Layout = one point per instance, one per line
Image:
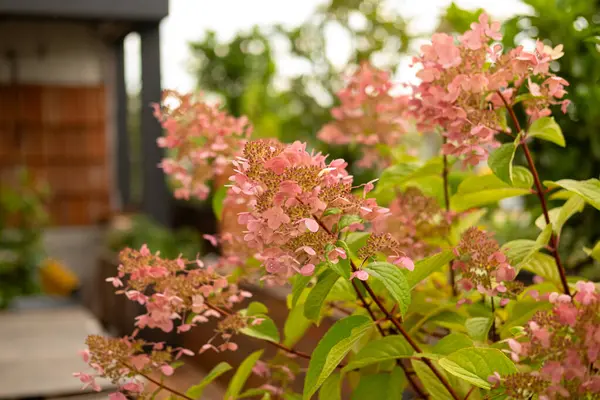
(411, 378)
(540, 194)
(278, 345)
(157, 383)
(395, 322)
(409, 339)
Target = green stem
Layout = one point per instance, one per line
(447, 202)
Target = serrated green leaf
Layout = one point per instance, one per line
(500, 162)
(521, 312)
(594, 252)
(544, 236)
(332, 349)
(266, 330)
(332, 388)
(318, 294)
(560, 215)
(195, 391)
(254, 392)
(379, 350)
(520, 251)
(522, 177)
(543, 265)
(484, 189)
(332, 211)
(357, 240)
(295, 325)
(241, 375)
(256, 308)
(426, 266)
(451, 343)
(345, 221)
(299, 284)
(378, 386)
(475, 365)
(478, 328)
(435, 388)
(589, 189)
(342, 267)
(394, 281)
(217, 202)
(546, 128)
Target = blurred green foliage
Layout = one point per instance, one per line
(244, 73)
(576, 25)
(22, 218)
(139, 230)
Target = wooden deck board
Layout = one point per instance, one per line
(39, 351)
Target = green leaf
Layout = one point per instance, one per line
(543, 265)
(332, 349)
(546, 128)
(357, 240)
(379, 350)
(342, 267)
(318, 294)
(300, 283)
(560, 215)
(195, 391)
(332, 388)
(522, 177)
(594, 252)
(427, 266)
(479, 190)
(589, 190)
(217, 202)
(266, 330)
(451, 343)
(475, 365)
(500, 162)
(544, 236)
(254, 392)
(435, 388)
(345, 221)
(394, 281)
(382, 386)
(241, 375)
(256, 308)
(520, 251)
(433, 167)
(478, 328)
(394, 176)
(521, 312)
(295, 325)
(332, 211)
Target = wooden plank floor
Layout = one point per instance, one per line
(39, 351)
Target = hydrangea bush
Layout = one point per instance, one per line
(432, 304)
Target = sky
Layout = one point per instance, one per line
(188, 20)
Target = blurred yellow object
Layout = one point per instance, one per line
(57, 279)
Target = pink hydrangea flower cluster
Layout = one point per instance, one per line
(124, 360)
(201, 139)
(172, 291)
(563, 345)
(291, 191)
(461, 80)
(482, 265)
(369, 115)
(416, 219)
